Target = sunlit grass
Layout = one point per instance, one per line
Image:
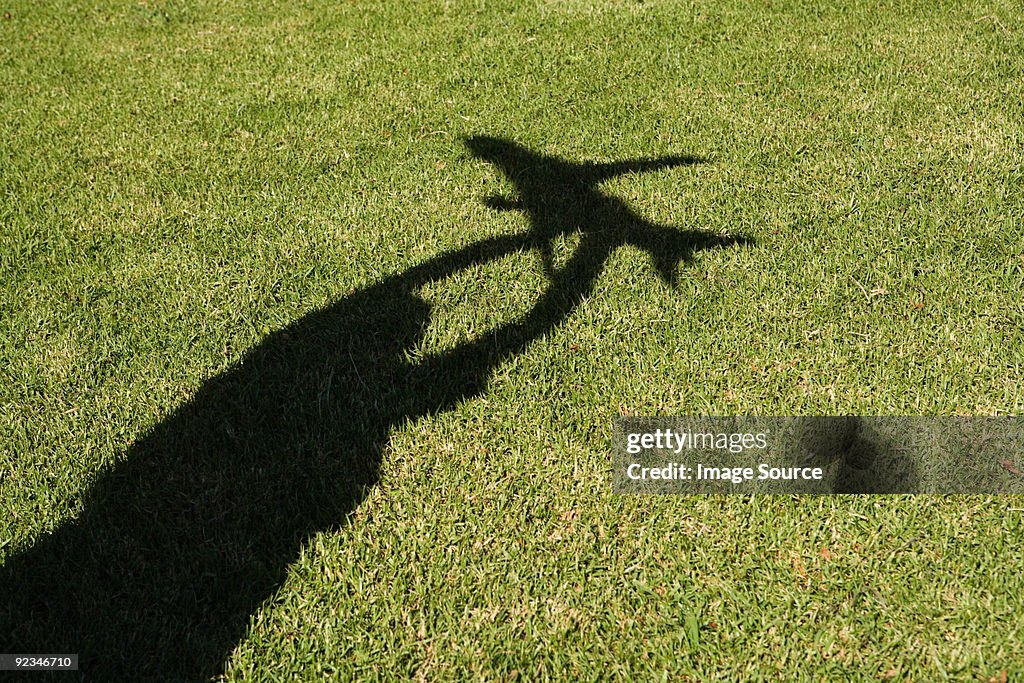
(179, 180)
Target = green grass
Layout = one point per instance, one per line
(184, 185)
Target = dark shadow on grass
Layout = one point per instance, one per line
(181, 542)
(868, 460)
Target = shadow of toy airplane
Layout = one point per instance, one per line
(180, 543)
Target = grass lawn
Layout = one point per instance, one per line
(314, 318)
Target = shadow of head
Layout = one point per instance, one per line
(182, 541)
